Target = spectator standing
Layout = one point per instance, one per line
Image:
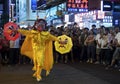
(82, 38)
(14, 52)
(91, 47)
(116, 54)
(5, 50)
(93, 29)
(98, 39)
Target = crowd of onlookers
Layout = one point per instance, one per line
(91, 45)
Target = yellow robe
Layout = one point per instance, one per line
(38, 47)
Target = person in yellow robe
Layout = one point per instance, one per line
(38, 46)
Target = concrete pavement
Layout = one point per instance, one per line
(60, 74)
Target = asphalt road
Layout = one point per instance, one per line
(72, 73)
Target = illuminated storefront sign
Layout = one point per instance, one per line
(56, 21)
(33, 4)
(77, 5)
(107, 19)
(116, 7)
(116, 18)
(66, 18)
(90, 17)
(107, 6)
(100, 15)
(78, 18)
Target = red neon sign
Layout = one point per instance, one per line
(77, 3)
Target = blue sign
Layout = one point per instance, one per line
(107, 6)
(116, 7)
(34, 4)
(77, 10)
(41, 3)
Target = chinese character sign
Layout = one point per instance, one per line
(77, 5)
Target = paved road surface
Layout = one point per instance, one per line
(61, 74)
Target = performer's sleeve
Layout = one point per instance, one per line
(53, 38)
(27, 32)
(24, 32)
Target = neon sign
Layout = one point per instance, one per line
(33, 4)
(77, 5)
(107, 5)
